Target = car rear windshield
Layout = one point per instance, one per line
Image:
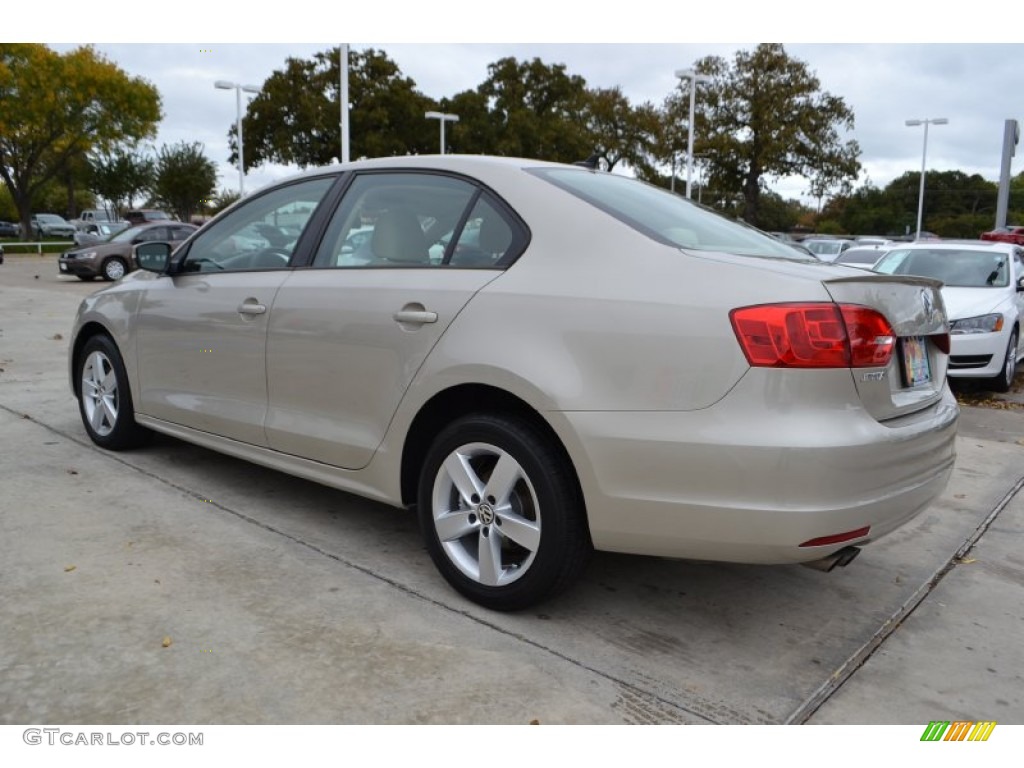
(665, 216)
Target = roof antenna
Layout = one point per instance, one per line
(592, 162)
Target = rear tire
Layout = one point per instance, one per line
(501, 512)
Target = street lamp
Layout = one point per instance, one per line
(924, 155)
(694, 78)
(224, 85)
(443, 118)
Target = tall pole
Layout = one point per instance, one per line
(238, 131)
(694, 78)
(689, 138)
(442, 118)
(344, 102)
(924, 159)
(227, 86)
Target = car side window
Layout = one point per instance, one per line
(261, 234)
(154, 234)
(395, 220)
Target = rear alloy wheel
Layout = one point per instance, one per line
(1004, 380)
(104, 399)
(114, 269)
(500, 512)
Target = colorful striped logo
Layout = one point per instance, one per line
(959, 730)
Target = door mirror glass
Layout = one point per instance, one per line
(153, 257)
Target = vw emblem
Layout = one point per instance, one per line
(486, 514)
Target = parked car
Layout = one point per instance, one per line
(982, 289)
(607, 366)
(113, 258)
(51, 225)
(98, 232)
(1, 254)
(9, 229)
(826, 250)
(1013, 235)
(864, 257)
(146, 215)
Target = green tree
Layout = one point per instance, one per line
(537, 110)
(296, 117)
(67, 105)
(121, 175)
(764, 116)
(185, 178)
(618, 131)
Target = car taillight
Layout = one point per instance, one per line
(824, 335)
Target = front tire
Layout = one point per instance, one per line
(104, 398)
(1004, 380)
(501, 512)
(114, 269)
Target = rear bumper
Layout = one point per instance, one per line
(741, 482)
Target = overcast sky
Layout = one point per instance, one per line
(977, 85)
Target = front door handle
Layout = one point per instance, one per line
(418, 317)
(251, 307)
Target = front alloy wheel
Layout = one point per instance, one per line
(114, 269)
(501, 512)
(104, 398)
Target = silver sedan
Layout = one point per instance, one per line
(542, 360)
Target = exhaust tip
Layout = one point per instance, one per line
(839, 559)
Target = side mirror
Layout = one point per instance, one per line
(1020, 285)
(153, 257)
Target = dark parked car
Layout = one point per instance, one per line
(113, 259)
(9, 229)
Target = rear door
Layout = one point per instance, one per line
(348, 334)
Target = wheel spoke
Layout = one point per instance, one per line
(96, 417)
(109, 410)
(462, 475)
(525, 533)
(489, 558)
(455, 525)
(503, 478)
(110, 381)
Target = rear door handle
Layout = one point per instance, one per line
(418, 317)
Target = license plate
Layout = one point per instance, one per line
(916, 368)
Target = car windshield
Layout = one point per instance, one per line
(665, 216)
(128, 234)
(958, 268)
(860, 256)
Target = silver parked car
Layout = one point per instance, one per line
(542, 360)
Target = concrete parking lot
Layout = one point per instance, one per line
(176, 585)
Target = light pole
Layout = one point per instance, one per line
(694, 78)
(224, 85)
(443, 118)
(924, 156)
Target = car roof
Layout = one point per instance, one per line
(958, 245)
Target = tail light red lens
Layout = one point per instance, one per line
(823, 335)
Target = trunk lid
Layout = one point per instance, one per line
(916, 374)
